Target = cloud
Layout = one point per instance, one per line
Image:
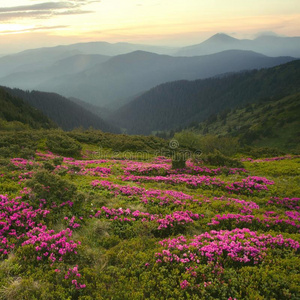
(37, 7)
(44, 10)
(40, 28)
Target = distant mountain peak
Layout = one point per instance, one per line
(134, 56)
(141, 52)
(222, 37)
(270, 45)
(239, 53)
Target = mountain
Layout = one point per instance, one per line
(65, 113)
(14, 109)
(38, 59)
(32, 60)
(177, 104)
(269, 122)
(62, 67)
(130, 74)
(113, 49)
(267, 45)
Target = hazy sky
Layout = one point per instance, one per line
(36, 23)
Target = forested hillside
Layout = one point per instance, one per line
(14, 109)
(67, 114)
(176, 104)
(272, 123)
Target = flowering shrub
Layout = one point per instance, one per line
(24, 176)
(246, 207)
(291, 203)
(142, 168)
(176, 219)
(80, 167)
(74, 275)
(190, 180)
(118, 189)
(161, 160)
(17, 218)
(151, 196)
(277, 158)
(84, 163)
(248, 185)
(51, 245)
(165, 168)
(290, 223)
(97, 171)
(23, 164)
(124, 215)
(46, 156)
(171, 221)
(46, 190)
(72, 223)
(225, 247)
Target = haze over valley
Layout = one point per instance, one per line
(110, 76)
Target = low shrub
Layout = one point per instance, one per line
(61, 143)
(218, 159)
(178, 161)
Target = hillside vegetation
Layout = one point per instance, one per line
(65, 113)
(80, 223)
(14, 109)
(177, 104)
(272, 123)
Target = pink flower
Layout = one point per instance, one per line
(184, 284)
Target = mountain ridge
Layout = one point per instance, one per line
(129, 74)
(269, 45)
(175, 104)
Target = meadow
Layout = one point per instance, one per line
(129, 226)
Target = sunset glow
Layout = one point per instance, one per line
(169, 22)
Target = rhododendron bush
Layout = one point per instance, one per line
(111, 228)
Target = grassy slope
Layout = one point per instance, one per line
(272, 123)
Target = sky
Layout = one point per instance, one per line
(27, 24)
